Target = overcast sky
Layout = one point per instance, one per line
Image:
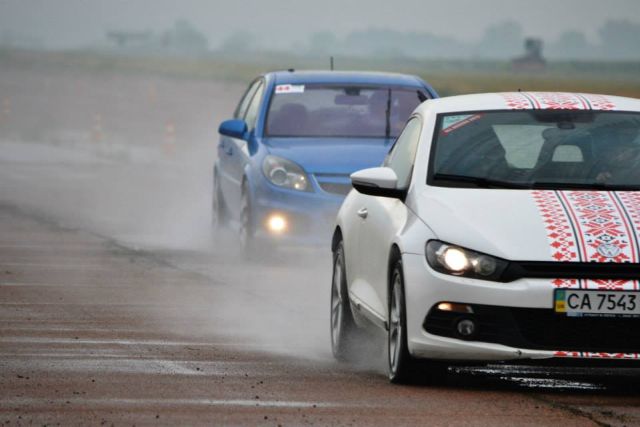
(71, 23)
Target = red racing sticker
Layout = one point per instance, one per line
(280, 89)
(591, 226)
(453, 123)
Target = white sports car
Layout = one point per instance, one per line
(500, 227)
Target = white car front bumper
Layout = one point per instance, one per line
(425, 288)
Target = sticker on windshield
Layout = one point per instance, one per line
(451, 123)
(289, 89)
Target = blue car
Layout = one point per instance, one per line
(285, 158)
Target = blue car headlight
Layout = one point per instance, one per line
(285, 173)
(457, 261)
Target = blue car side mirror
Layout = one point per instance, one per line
(234, 128)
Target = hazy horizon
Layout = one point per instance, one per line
(283, 23)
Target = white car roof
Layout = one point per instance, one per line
(529, 101)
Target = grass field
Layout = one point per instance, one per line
(448, 77)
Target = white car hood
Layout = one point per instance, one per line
(536, 225)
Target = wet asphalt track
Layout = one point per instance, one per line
(95, 333)
(117, 308)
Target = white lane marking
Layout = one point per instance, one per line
(130, 342)
(58, 266)
(89, 354)
(132, 364)
(124, 365)
(44, 340)
(12, 402)
(100, 305)
(57, 246)
(8, 330)
(64, 285)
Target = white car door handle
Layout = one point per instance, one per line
(362, 213)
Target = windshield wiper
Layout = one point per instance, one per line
(478, 181)
(598, 186)
(482, 182)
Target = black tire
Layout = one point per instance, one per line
(344, 332)
(401, 365)
(246, 231)
(218, 217)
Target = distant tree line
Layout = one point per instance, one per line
(183, 38)
(617, 40)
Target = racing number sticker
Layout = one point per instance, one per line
(280, 89)
(451, 123)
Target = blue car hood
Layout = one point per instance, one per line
(331, 155)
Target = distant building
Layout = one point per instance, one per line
(532, 59)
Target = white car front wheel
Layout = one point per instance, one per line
(401, 364)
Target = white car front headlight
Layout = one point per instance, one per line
(285, 173)
(457, 261)
(454, 259)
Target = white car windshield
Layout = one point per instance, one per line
(556, 149)
(340, 111)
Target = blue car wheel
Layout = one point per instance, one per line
(218, 217)
(246, 231)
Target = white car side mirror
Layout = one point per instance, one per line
(380, 181)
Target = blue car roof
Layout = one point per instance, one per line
(353, 77)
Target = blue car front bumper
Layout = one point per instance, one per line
(309, 216)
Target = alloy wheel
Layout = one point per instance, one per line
(337, 307)
(395, 324)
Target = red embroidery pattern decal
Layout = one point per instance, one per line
(600, 222)
(559, 101)
(556, 101)
(516, 101)
(561, 237)
(631, 202)
(599, 102)
(596, 355)
(566, 283)
(591, 226)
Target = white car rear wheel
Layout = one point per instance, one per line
(343, 329)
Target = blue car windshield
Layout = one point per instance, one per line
(340, 111)
(552, 149)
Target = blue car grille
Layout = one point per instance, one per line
(334, 183)
(331, 187)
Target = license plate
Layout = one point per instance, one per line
(587, 303)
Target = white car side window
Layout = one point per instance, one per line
(402, 156)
